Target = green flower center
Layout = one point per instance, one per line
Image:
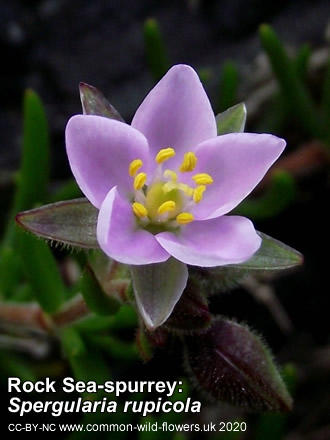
(164, 204)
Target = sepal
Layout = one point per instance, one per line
(229, 362)
(94, 103)
(232, 120)
(157, 289)
(272, 256)
(71, 222)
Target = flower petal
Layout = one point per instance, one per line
(100, 151)
(119, 236)
(237, 162)
(157, 288)
(176, 113)
(216, 242)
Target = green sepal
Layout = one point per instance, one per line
(94, 103)
(232, 120)
(272, 255)
(71, 222)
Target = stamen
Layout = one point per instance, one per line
(140, 197)
(202, 179)
(139, 181)
(164, 154)
(171, 174)
(198, 193)
(139, 210)
(184, 218)
(189, 162)
(186, 189)
(169, 186)
(166, 207)
(134, 167)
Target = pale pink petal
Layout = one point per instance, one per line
(176, 113)
(216, 242)
(121, 238)
(237, 162)
(100, 151)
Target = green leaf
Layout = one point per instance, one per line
(86, 362)
(275, 199)
(117, 348)
(42, 271)
(155, 49)
(232, 120)
(15, 365)
(33, 176)
(297, 96)
(157, 289)
(231, 363)
(326, 100)
(11, 271)
(94, 103)
(124, 319)
(72, 343)
(302, 59)
(71, 222)
(228, 85)
(96, 299)
(23, 293)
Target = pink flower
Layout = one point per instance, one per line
(164, 183)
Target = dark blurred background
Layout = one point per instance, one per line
(52, 45)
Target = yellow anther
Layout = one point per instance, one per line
(202, 179)
(189, 162)
(139, 210)
(186, 189)
(171, 174)
(140, 180)
(164, 154)
(166, 207)
(198, 193)
(184, 218)
(134, 167)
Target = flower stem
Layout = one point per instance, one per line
(32, 316)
